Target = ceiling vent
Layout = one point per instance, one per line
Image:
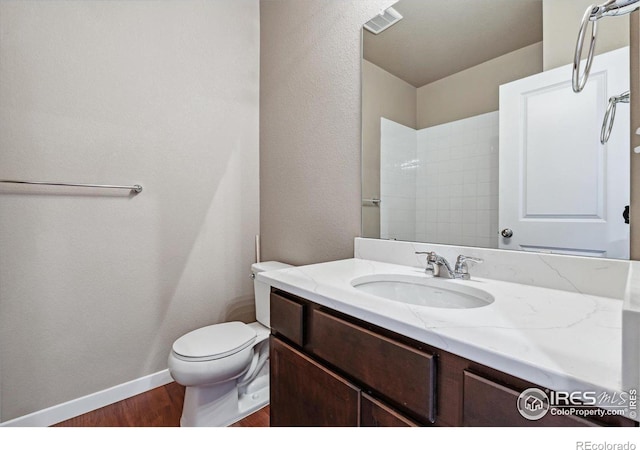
(383, 21)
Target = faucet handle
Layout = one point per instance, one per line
(430, 269)
(461, 259)
(462, 269)
(431, 256)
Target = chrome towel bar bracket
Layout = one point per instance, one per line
(371, 202)
(135, 188)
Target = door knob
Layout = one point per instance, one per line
(507, 232)
(625, 214)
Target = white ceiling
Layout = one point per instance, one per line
(437, 38)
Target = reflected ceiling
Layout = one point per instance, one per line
(483, 30)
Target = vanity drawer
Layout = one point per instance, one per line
(486, 404)
(403, 376)
(287, 318)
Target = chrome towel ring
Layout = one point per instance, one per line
(579, 81)
(610, 115)
(592, 14)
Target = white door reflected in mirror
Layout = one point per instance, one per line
(561, 190)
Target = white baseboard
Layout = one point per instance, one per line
(82, 405)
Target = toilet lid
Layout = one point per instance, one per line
(215, 341)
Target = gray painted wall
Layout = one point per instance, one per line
(310, 127)
(475, 90)
(96, 286)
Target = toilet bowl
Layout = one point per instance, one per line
(224, 367)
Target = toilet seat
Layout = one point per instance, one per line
(214, 342)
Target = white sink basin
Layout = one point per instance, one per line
(422, 291)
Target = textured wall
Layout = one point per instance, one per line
(95, 286)
(310, 127)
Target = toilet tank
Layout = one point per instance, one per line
(262, 290)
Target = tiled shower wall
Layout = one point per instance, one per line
(398, 145)
(451, 178)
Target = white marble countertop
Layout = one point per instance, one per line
(561, 340)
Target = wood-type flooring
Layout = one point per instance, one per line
(159, 407)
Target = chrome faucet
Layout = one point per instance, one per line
(435, 263)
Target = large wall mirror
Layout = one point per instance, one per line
(472, 135)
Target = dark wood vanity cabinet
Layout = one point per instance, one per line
(326, 371)
(308, 394)
(329, 369)
(374, 413)
(401, 375)
(484, 402)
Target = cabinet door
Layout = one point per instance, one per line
(374, 413)
(303, 393)
(489, 404)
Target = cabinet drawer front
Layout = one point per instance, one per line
(303, 393)
(487, 404)
(403, 376)
(287, 318)
(374, 413)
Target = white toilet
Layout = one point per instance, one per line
(225, 366)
